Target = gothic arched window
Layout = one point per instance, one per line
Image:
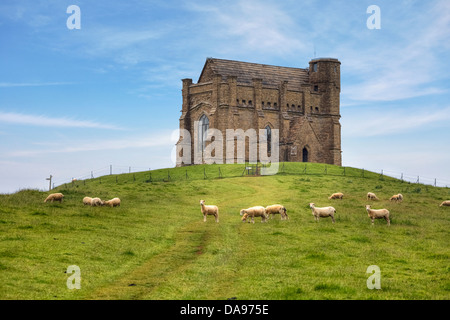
(269, 139)
(203, 126)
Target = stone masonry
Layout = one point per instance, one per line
(303, 104)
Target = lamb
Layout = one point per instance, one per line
(371, 196)
(378, 214)
(54, 197)
(445, 203)
(257, 211)
(322, 212)
(209, 210)
(338, 195)
(275, 209)
(97, 202)
(87, 201)
(397, 197)
(115, 202)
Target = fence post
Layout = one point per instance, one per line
(220, 173)
(363, 173)
(204, 173)
(186, 175)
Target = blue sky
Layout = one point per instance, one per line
(76, 101)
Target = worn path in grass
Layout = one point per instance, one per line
(223, 244)
(156, 245)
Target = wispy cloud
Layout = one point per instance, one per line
(45, 121)
(382, 122)
(158, 139)
(404, 68)
(252, 26)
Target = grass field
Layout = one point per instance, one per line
(156, 245)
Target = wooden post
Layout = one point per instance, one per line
(50, 183)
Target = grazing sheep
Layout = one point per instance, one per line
(209, 210)
(371, 196)
(338, 195)
(115, 202)
(397, 198)
(87, 201)
(322, 212)
(54, 197)
(275, 209)
(445, 203)
(257, 211)
(97, 202)
(378, 214)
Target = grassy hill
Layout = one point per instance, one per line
(156, 245)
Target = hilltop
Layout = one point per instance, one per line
(156, 245)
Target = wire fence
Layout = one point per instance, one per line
(114, 174)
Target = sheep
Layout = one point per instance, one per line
(275, 209)
(87, 201)
(115, 202)
(322, 212)
(396, 198)
(54, 197)
(338, 195)
(209, 210)
(97, 202)
(378, 214)
(257, 211)
(445, 203)
(371, 196)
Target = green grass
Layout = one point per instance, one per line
(156, 245)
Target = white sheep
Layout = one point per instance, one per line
(277, 209)
(87, 201)
(396, 198)
(97, 202)
(54, 197)
(257, 211)
(209, 210)
(322, 212)
(378, 214)
(338, 195)
(371, 196)
(445, 203)
(115, 202)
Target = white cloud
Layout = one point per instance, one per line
(372, 122)
(404, 65)
(253, 27)
(45, 121)
(144, 141)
